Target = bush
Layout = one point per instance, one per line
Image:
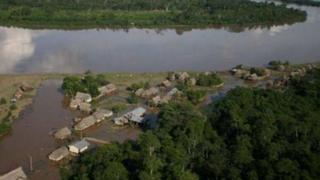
(88, 84)
(132, 99)
(13, 107)
(118, 108)
(136, 86)
(209, 80)
(5, 125)
(3, 101)
(195, 96)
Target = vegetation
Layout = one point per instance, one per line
(5, 125)
(249, 134)
(278, 65)
(135, 86)
(209, 80)
(143, 13)
(195, 96)
(3, 101)
(118, 108)
(303, 2)
(132, 99)
(88, 84)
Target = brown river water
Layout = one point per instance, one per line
(31, 134)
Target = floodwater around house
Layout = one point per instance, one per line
(149, 50)
(31, 134)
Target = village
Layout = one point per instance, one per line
(142, 99)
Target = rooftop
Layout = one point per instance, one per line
(80, 144)
(17, 174)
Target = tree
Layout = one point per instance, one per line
(116, 171)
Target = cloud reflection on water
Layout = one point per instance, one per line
(15, 46)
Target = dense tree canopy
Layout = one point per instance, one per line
(249, 134)
(303, 2)
(84, 13)
(88, 84)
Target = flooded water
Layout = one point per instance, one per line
(143, 50)
(30, 134)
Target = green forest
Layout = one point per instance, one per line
(143, 13)
(303, 2)
(251, 133)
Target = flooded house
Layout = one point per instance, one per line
(96, 117)
(148, 92)
(107, 90)
(17, 95)
(166, 83)
(166, 98)
(79, 146)
(81, 99)
(17, 174)
(62, 133)
(102, 114)
(84, 97)
(85, 123)
(85, 107)
(59, 154)
(26, 87)
(135, 116)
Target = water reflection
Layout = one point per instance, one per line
(15, 45)
(141, 50)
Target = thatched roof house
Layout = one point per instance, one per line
(85, 107)
(136, 116)
(85, 123)
(26, 87)
(101, 114)
(108, 89)
(84, 97)
(59, 154)
(17, 174)
(79, 146)
(62, 133)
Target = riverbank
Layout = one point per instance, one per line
(49, 112)
(11, 83)
(77, 16)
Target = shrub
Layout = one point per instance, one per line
(132, 99)
(13, 107)
(209, 80)
(136, 86)
(195, 96)
(3, 101)
(118, 108)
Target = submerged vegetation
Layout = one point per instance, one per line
(143, 13)
(251, 133)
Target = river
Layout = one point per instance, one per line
(30, 134)
(149, 50)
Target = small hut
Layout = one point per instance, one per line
(59, 154)
(62, 133)
(79, 146)
(17, 174)
(85, 123)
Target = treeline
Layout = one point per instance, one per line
(303, 2)
(249, 134)
(144, 13)
(87, 84)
